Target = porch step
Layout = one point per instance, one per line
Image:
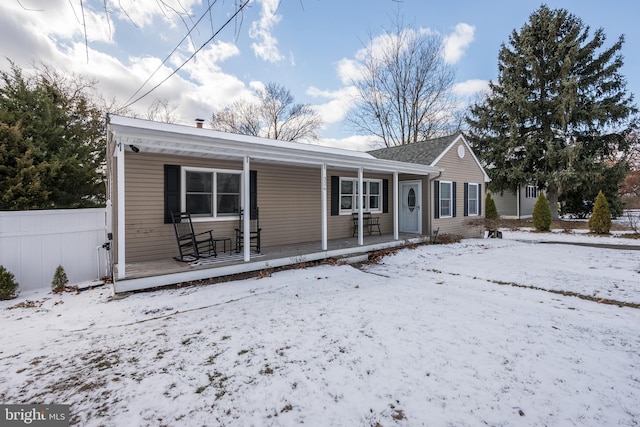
(354, 258)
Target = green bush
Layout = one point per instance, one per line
(8, 285)
(542, 214)
(600, 220)
(490, 210)
(60, 280)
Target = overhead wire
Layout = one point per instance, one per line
(193, 27)
(129, 102)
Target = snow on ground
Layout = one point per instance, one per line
(439, 335)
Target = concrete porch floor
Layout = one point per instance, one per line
(169, 271)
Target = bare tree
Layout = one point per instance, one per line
(274, 115)
(404, 89)
(161, 110)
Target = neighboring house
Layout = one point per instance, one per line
(306, 195)
(445, 201)
(516, 204)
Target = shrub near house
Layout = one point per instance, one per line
(542, 214)
(600, 221)
(8, 285)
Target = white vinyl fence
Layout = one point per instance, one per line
(34, 243)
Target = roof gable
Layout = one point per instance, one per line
(428, 152)
(423, 152)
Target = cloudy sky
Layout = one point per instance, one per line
(308, 46)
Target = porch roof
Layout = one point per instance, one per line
(165, 138)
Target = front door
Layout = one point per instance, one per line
(411, 207)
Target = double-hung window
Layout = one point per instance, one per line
(211, 193)
(472, 199)
(446, 199)
(372, 195)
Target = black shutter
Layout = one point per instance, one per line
(436, 199)
(385, 196)
(453, 196)
(171, 191)
(253, 194)
(479, 199)
(335, 195)
(466, 199)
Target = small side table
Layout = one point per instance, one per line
(224, 241)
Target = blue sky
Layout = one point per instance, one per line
(304, 45)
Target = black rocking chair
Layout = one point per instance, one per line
(254, 233)
(192, 246)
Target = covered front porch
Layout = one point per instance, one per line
(164, 272)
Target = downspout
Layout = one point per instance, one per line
(431, 210)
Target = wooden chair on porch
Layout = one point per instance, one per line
(369, 223)
(192, 246)
(254, 231)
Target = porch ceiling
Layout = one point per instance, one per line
(180, 140)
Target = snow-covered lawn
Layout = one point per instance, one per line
(441, 335)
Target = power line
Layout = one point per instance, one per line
(193, 27)
(128, 104)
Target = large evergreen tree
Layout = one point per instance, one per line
(559, 110)
(52, 139)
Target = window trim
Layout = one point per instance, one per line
(366, 184)
(440, 199)
(531, 192)
(477, 199)
(214, 197)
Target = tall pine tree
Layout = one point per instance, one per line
(52, 142)
(559, 110)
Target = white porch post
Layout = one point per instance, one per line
(246, 205)
(396, 210)
(323, 203)
(121, 214)
(360, 200)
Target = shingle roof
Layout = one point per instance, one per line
(423, 152)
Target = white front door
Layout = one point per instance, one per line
(411, 207)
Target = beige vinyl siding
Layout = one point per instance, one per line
(460, 171)
(147, 237)
(342, 225)
(289, 198)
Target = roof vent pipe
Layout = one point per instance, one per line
(199, 123)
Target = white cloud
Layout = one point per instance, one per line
(142, 13)
(457, 42)
(266, 47)
(355, 143)
(349, 70)
(470, 87)
(338, 103)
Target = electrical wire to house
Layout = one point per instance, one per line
(233, 16)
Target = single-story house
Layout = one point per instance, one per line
(312, 199)
(517, 204)
(456, 192)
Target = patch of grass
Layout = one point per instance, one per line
(212, 359)
(241, 352)
(267, 370)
